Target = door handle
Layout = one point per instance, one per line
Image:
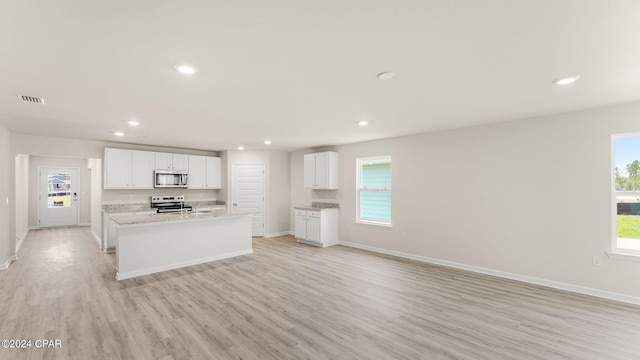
(235, 204)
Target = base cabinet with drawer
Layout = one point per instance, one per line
(317, 227)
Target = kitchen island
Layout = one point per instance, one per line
(150, 243)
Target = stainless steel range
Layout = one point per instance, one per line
(169, 204)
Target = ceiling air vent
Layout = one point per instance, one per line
(31, 99)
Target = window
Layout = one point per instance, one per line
(626, 194)
(59, 190)
(374, 190)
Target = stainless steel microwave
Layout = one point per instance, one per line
(170, 179)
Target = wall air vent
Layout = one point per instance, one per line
(31, 99)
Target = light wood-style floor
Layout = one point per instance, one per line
(292, 301)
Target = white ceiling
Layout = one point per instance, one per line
(303, 73)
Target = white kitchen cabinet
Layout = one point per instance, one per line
(214, 171)
(180, 162)
(128, 169)
(109, 228)
(313, 227)
(204, 172)
(164, 161)
(321, 170)
(301, 224)
(172, 162)
(197, 172)
(142, 169)
(317, 227)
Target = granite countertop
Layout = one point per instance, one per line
(122, 208)
(317, 206)
(311, 208)
(133, 207)
(170, 217)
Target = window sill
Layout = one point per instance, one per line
(618, 255)
(374, 224)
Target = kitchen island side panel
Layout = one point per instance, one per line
(149, 248)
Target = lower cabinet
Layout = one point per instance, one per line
(109, 228)
(316, 227)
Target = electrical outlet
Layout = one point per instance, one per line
(403, 234)
(596, 260)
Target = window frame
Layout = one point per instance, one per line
(359, 190)
(618, 252)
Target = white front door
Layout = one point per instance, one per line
(58, 197)
(247, 192)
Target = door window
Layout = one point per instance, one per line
(59, 190)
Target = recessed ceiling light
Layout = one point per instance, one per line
(118, 133)
(185, 69)
(363, 123)
(267, 142)
(566, 80)
(240, 147)
(385, 75)
(133, 123)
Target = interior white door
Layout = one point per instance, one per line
(58, 197)
(247, 192)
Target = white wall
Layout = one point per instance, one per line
(278, 191)
(530, 197)
(21, 197)
(6, 165)
(95, 168)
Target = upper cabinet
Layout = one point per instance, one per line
(204, 172)
(171, 162)
(321, 170)
(214, 172)
(133, 169)
(128, 169)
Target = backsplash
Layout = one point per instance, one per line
(323, 205)
(143, 196)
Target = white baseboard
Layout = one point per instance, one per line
(84, 224)
(151, 270)
(20, 239)
(5, 265)
(503, 274)
(278, 234)
(98, 239)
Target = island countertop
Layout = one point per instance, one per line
(177, 217)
